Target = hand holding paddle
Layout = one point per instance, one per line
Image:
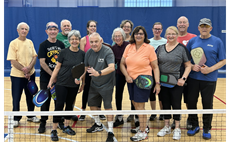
(198, 56)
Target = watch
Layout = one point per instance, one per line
(99, 73)
(184, 78)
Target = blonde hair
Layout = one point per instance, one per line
(171, 28)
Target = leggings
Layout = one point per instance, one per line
(64, 96)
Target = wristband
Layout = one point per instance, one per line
(158, 83)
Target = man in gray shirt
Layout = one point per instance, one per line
(100, 64)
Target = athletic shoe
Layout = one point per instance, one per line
(102, 117)
(82, 117)
(42, 127)
(68, 130)
(152, 117)
(135, 130)
(110, 137)
(61, 125)
(139, 136)
(206, 134)
(33, 119)
(176, 134)
(161, 117)
(95, 128)
(54, 136)
(147, 130)
(74, 118)
(118, 122)
(188, 125)
(164, 131)
(192, 132)
(16, 123)
(130, 118)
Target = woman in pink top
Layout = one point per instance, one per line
(139, 58)
(85, 46)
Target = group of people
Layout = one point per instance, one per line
(132, 55)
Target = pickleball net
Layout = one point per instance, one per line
(28, 131)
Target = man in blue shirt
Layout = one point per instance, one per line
(203, 78)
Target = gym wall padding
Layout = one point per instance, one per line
(108, 19)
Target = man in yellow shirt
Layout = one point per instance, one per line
(22, 56)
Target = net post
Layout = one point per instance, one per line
(10, 128)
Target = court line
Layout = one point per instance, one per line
(219, 99)
(101, 123)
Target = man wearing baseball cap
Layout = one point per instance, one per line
(203, 79)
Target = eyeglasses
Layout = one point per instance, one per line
(205, 26)
(93, 26)
(141, 34)
(157, 29)
(118, 36)
(173, 34)
(72, 39)
(126, 27)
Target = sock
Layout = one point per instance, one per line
(97, 120)
(110, 125)
(120, 118)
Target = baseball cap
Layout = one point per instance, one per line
(205, 21)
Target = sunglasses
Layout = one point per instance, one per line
(205, 26)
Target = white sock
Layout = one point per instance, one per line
(120, 118)
(97, 120)
(110, 125)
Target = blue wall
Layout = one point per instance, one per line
(107, 18)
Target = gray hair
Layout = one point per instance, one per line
(95, 34)
(47, 25)
(119, 30)
(64, 21)
(75, 33)
(22, 23)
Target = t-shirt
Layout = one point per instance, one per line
(68, 59)
(184, 39)
(50, 52)
(214, 51)
(99, 61)
(23, 52)
(63, 39)
(170, 62)
(156, 43)
(118, 52)
(138, 61)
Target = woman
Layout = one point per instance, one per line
(139, 58)
(85, 46)
(170, 57)
(66, 86)
(118, 37)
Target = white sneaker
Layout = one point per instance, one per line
(16, 124)
(33, 119)
(135, 130)
(139, 136)
(176, 134)
(164, 131)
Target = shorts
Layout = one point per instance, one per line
(96, 96)
(137, 94)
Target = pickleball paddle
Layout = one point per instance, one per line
(32, 87)
(78, 70)
(41, 96)
(168, 80)
(144, 81)
(198, 56)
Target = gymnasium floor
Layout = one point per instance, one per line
(27, 131)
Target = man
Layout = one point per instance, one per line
(66, 27)
(47, 55)
(183, 38)
(22, 56)
(155, 42)
(203, 79)
(99, 62)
